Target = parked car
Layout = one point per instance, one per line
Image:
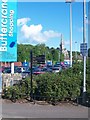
(25, 74)
(20, 69)
(46, 69)
(38, 71)
(56, 69)
(7, 70)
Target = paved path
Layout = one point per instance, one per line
(28, 110)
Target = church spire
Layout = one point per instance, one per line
(61, 44)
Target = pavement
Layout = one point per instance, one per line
(29, 110)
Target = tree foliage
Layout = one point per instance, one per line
(40, 49)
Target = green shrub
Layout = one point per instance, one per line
(58, 86)
(52, 86)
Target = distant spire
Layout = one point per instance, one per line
(62, 43)
(61, 37)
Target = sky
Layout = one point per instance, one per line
(44, 22)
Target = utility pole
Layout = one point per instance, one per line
(70, 34)
(84, 57)
(70, 2)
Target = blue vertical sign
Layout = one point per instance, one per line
(83, 49)
(8, 30)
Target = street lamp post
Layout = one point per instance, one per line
(70, 1)
(84, 58)
(70, 34)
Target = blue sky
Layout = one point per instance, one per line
(44, 22)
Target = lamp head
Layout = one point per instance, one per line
(69, 1)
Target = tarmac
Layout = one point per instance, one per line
(30, 110)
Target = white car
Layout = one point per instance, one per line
(56, 69)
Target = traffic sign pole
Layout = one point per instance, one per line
(31, 91)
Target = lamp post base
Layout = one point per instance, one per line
(84, 98)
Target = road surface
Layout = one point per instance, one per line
(28, 110)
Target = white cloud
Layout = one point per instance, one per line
(31, 30)
(35, 32)
(22, 21)
(51, 34)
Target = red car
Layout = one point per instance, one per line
(38, 71)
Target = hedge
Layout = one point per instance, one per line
(52, 86)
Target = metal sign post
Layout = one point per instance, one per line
(84, 52)
(31, 91)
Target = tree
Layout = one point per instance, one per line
(62, 57)
(54, 53)
(23, 52)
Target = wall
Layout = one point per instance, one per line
(9, 79)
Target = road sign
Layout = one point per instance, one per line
(8, 30)
(39, 59)
(83, 49)
(34, 60)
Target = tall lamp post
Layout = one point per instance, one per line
(70, 2)
(84, 41)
